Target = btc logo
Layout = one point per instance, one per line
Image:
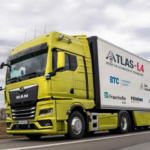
(114, 80)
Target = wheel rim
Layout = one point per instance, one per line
(124, 123)
(76, 125)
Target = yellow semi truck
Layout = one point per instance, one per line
(75, 85)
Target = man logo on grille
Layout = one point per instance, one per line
(22, 89)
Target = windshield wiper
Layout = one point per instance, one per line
(18, 79)
(33, 73)
(15, 78)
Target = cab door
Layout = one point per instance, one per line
(62, 83)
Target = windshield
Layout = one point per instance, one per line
(30, 64)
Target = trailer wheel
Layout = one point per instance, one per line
(76, 126)
(34, 136)
(123, 122)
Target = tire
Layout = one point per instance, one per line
(34, 136)
(76, 126)
(123, 122)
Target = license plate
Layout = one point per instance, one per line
(22, 122)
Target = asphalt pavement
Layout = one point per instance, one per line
(137, 140)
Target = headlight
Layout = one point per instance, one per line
(8, 115)
(46, 111)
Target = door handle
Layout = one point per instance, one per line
(72, 91)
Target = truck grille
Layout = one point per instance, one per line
(27, 113)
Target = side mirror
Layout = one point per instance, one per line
(2, 65)
(60, 60)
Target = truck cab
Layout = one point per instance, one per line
(47, 78)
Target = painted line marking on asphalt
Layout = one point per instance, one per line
(74, 142)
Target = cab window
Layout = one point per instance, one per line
(70, 62)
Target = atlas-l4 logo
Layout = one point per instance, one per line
(119, 59)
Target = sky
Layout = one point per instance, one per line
(125, 23)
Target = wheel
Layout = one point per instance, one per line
(76, 126)
(123, 122)
(34, 136)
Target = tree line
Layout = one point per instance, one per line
(2, 113)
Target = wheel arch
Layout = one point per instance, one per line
(80, 108)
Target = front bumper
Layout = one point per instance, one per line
(24, 132)
(57, 127)
(44, 131)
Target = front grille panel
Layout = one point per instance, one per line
(27, 113)
(24, 99)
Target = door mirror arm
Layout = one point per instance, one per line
(49, 75)
(52, 73)
(59, 69)
(3, 64)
